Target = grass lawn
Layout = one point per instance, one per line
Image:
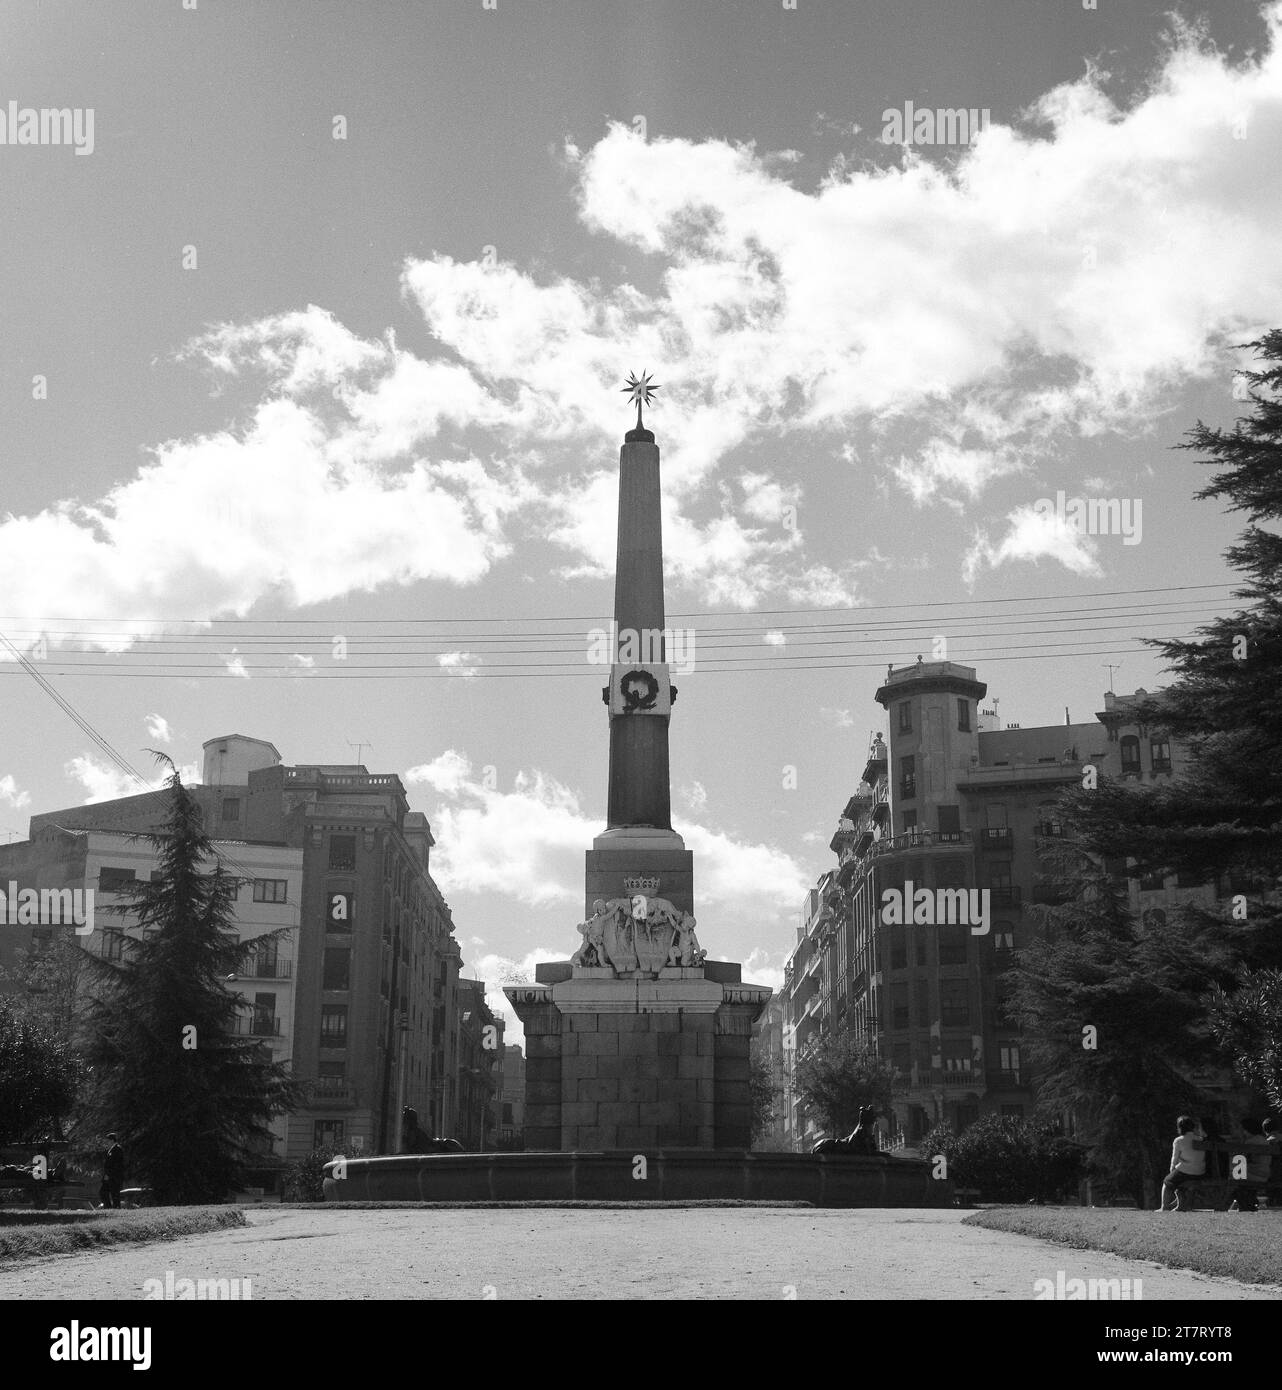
(28, 1235)
(1231, 1245)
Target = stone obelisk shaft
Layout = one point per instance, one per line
(640, 792)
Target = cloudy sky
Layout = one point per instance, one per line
(310, 411)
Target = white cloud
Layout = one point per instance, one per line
(774, 639)
(158, 728)
(235, 664)
(1032, 535)
(695, 796)
(106, 782)
(459, 663)
(10, 794)
(528, 844)
(1056, 281)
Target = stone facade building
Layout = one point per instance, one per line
(953, 802)
(363, 996)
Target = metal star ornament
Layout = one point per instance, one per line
(641, 390)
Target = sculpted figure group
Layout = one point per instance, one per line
(609, 935)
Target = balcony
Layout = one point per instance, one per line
(1049, 829)
(918, 840)
(258, 1026)
(267, 969)
(329, 1090)
(995, 838)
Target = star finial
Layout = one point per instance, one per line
(640, 389)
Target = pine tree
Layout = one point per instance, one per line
(188, 1097)
(1113, 1018)
(1224, 815)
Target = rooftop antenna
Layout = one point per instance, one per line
(364, 743)
(1111, 669)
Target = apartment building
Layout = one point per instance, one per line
(364, 1001)
(952, 801)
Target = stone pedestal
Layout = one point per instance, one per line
(639, 1062)
(619, 855)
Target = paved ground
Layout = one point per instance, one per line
(584, 1254)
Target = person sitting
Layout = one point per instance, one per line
(1244, 1195)
(1188, 1164)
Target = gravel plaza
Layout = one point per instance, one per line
(604, 1253)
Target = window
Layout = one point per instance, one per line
(333, 1025)
(41, 941)
(963, 716)
(342, 853)
(995, 817)
(1130, 756)
(954, 1005)
(950, 873)
(908, 777)
(265, 962)
(332, 1071)
(910, 821)
(264, 1023)
(113, 945)
(507, 1112)
(899, 1006)
(114, 880)
(1160, 752)
(1151, 883)
(1048, 821)
(898, 950)
(327, 1134)
(270, 890)
(952, 945)
(338, 967)
(1003, 936)
(950, 823)
(1008, 1057)
(906, 718)
(231, 808)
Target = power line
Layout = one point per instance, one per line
(596, 617)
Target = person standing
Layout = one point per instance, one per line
(113, 1171)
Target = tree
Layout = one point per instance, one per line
(38, 1077)
(762, 1093)
(841, 1074)
(1248, 1023)
(1008, 1159)
(190, 1099)
(1224, 816)
(1113, 1016)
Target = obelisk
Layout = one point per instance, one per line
(639, 846)
(638, 1041)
